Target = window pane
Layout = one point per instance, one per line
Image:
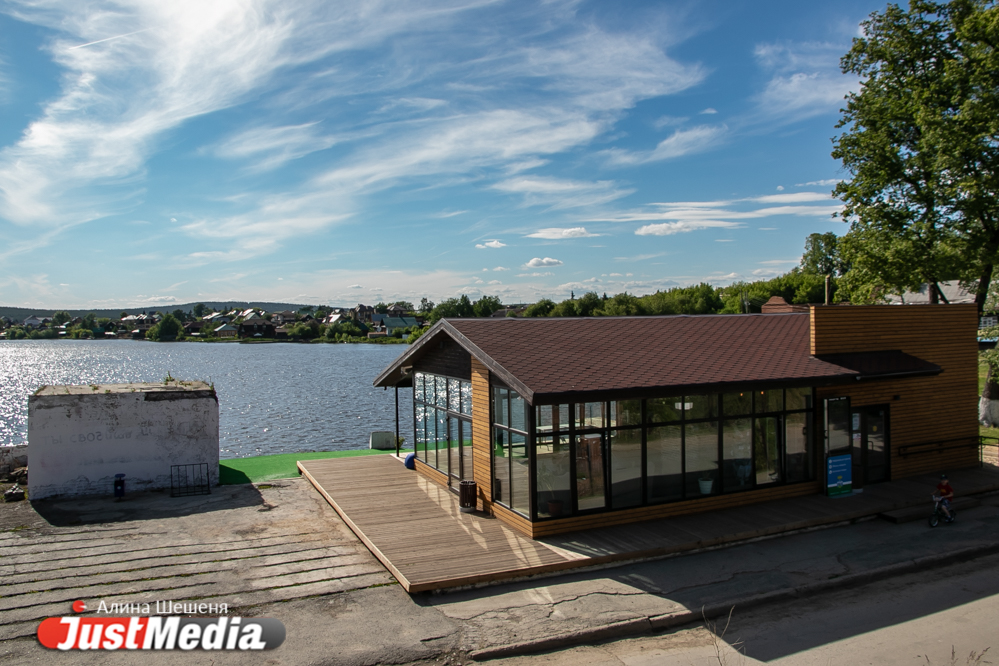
(454, 395)
(418, 380)
(737, 446)
(771, 400)
(626, 467)
(454, 446)
(665, 473)
(626, 413)
(500, 414)
(520, 475)
(441, 384)
(554, 490)
(518, 412)
(501, 467)
(590, 472)
(663, 410)
(799, 398)
(553, 418)
(700, 448)
(442, 440)
(767, 450)
(467, 462)
(700, 406)
(466, 398)
(737, 404)
(421, 431)
(798, 447)
(589, 414)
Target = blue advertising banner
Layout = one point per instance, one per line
(839, 479)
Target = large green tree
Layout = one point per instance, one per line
(919, 143)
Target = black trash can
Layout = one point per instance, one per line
(467, 496)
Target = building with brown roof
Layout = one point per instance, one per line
(569, 423)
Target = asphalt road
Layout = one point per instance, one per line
(922, 618)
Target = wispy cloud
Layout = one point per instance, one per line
(495, 244)
(560, 193)
(271, 147)
(820, 183)
(555, 233)
(805, 80)
(681, 142)
(667, 219)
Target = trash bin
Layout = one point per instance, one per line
(467, 496)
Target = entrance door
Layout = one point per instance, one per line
(459, 450)
(766, 450)
(590, 488)
(870, 444)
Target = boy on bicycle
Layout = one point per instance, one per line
(946, 493)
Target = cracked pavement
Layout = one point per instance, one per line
(277, 550)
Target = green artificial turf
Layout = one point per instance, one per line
(280, 466)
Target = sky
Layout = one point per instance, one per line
(354, 152)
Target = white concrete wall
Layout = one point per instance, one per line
(77, 443)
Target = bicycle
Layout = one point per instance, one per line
(938, 513)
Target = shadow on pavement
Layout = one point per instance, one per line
(144, 505)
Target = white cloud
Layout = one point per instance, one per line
(780, 188)
(271, 147)
(681, 142)
(495, 282)
(708, 112)
(820, 183)
(538, 262)
(561, 193)
(556, 233)
(545, 274)
(495, 244)
(500, 268)
(806, 80)
(355, 286)
(683, 226)
(793, 197)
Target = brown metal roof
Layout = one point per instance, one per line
(547, 357)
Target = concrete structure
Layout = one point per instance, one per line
(81, 436)
(382, 440)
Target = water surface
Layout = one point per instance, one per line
(273, 398)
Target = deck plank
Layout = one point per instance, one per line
(415, 528)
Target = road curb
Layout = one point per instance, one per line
(650, 624)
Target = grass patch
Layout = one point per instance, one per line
(280, 466)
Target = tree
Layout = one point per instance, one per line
(426, 306)
(920, 144)
(61, 317)
(167, 328)
(179, 314)
(821, 255)
(542, 308)
(199, 310)
(487, 305)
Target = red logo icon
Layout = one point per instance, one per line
(79, 607)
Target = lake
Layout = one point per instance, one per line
(273, 398)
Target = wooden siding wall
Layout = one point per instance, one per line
(434, 475)
(481, 438)
(929, 408)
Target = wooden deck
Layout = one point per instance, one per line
(414, 527)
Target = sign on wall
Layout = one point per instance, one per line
(839, 479)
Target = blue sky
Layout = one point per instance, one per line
(169, 152)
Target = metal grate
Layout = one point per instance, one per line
(189, 480)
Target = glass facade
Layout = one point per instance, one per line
(511, 463)
(596, 456)
(442, 419)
